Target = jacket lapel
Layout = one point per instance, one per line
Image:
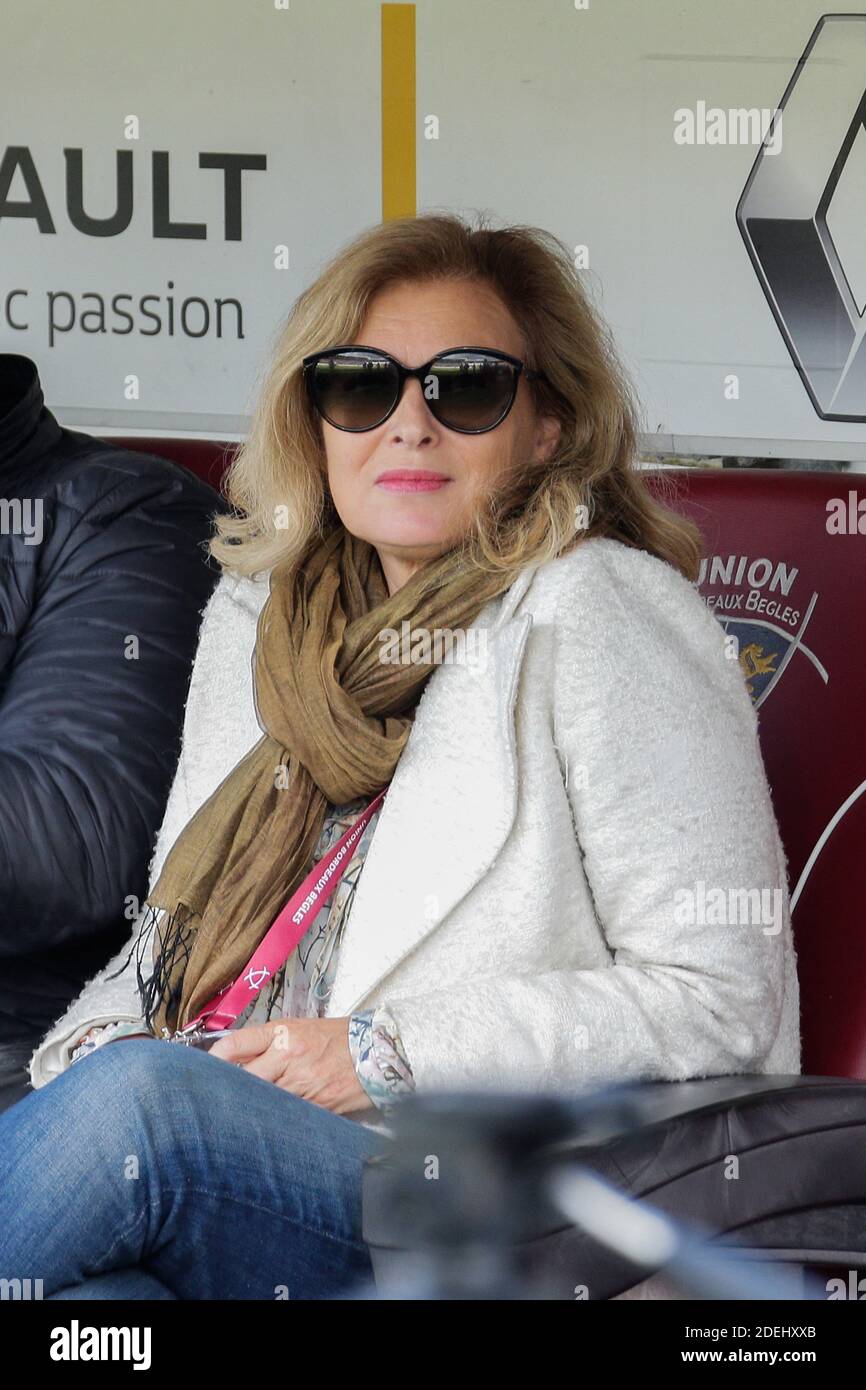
(448, 810)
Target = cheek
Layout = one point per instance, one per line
(346, 455)
(490, 458)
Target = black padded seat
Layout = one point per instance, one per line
(799, 1141)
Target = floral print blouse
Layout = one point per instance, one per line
(302, 987)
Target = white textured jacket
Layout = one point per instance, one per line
(565, 878)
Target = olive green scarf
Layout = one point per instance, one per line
(335, 718)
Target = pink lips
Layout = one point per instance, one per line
(411, 480)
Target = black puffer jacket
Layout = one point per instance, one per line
(90, 728)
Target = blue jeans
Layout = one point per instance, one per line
(153, 1170)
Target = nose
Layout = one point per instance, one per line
(412, 422)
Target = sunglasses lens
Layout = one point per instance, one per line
(470, 391)
(467, 391)
(354, 390)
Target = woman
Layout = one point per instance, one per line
(444, 444)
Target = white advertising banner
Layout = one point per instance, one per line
(172, 176)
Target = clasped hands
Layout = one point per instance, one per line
(308, 1056)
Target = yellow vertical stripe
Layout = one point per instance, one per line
(398, 111)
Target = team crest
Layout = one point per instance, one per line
(756, 663)
(755, 602)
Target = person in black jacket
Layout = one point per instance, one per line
(104, 574)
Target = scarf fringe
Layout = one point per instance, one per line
(164, 984)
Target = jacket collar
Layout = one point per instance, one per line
(28, 430)
(450, 806)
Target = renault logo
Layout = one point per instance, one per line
(802, 214)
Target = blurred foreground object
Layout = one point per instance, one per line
(505, 1197)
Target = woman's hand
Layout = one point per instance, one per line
(308, 1056)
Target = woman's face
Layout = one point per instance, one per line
(414, 322)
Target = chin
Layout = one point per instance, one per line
(409, 534)
(404, 528)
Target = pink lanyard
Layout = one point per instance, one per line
(287, 930)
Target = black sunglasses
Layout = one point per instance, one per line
(468, 389)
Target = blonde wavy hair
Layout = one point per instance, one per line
(277, 483)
